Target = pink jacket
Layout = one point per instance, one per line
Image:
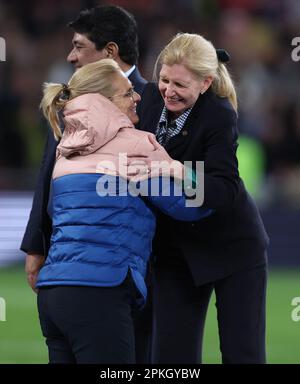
(96, 132)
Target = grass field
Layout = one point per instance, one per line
(21, 340)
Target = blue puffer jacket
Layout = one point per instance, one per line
(99, 234)
(97, 239)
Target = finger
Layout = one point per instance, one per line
(140, 177)
(132, 173)
(146, 164)
(136, 155)
(32, 282)
(142, 172)
(137, 162)
(155, 173)
(154, 142)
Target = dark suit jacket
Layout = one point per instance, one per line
(234, 236)
(39, 227)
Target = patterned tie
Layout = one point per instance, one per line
(162, 135)
(165, 133)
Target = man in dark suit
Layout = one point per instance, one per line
(100, 32)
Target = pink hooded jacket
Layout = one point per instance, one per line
(96, 132)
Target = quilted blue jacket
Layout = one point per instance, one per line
(100, 232)
(97, 239)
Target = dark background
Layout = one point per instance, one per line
(258, 35)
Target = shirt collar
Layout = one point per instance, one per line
(180, 121)
(163, 117)
(129, 72)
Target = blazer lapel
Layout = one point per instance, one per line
(179, 142)
(137, 80)
(154, 114)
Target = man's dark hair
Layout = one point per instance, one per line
(104, 24)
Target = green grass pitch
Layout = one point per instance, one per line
(21, 340)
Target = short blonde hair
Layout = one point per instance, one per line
(200, 57)
(94, 77)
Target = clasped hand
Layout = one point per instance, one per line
(157, 163)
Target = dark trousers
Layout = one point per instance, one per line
(180, 309)
(89, 324)
(143, 319)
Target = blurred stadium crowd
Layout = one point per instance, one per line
(258, 36)
(257, 33)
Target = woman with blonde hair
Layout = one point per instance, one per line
(192, 109)
(94, 273)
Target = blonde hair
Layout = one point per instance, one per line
(200, 57)
(95, 77)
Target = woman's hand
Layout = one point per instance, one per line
(33, 264)
(157, 163)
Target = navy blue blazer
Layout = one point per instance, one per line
(39, 227)
(233, 237)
